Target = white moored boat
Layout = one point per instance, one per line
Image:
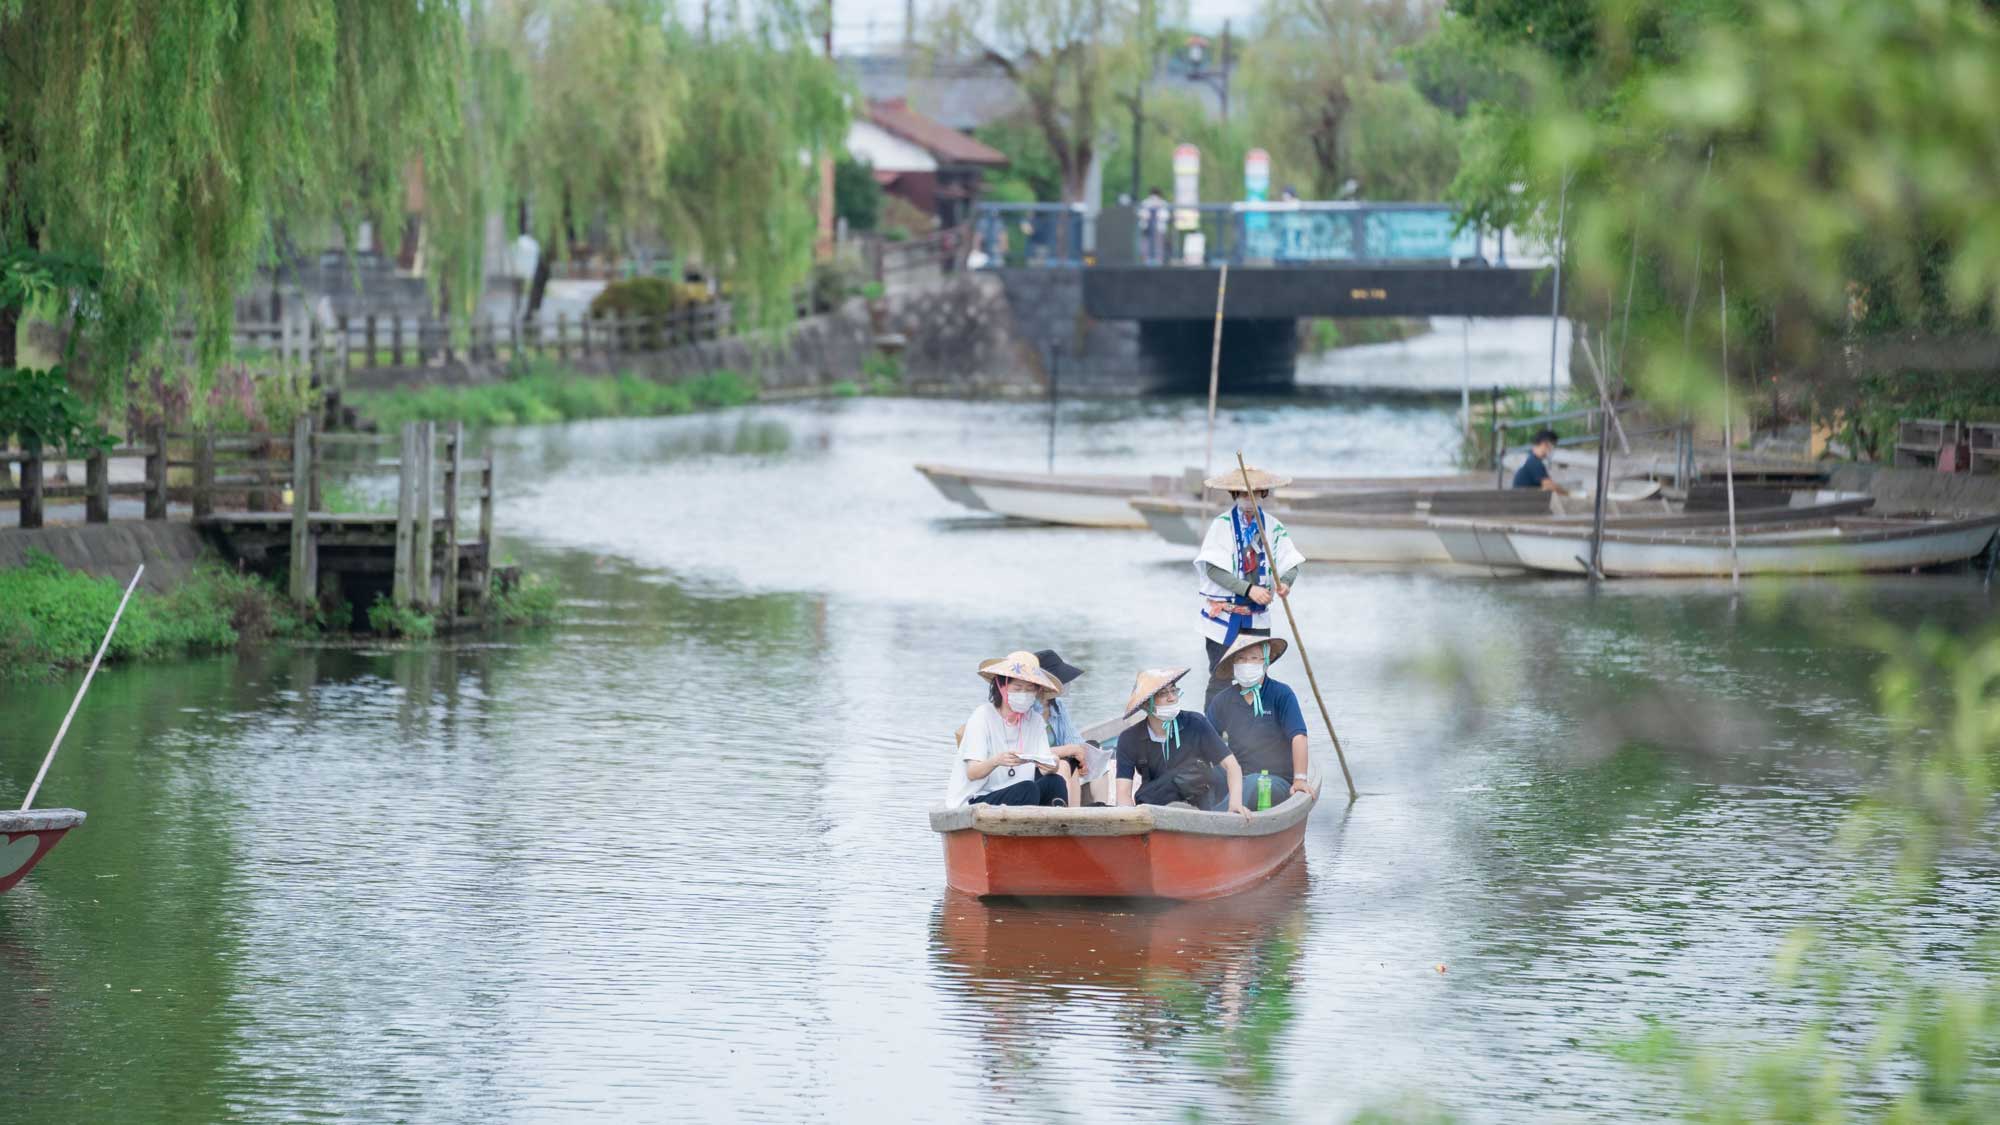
(1819, 544)
(1101, 499)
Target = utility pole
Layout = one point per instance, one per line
(1225, 71)
(825, 246)
(1149, 43)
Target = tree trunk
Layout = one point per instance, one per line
(10, 327)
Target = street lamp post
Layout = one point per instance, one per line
(1217, 80)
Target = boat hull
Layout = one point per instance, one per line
(25, 837)
(1075, 501)
(1143, 852)
(1808, 551)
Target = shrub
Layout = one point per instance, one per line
(391, 620)
(884, 372)
(532, 601)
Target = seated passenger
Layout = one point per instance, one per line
(1003, 750)
(1261, 723)
(1174, 755)
(1091, 764)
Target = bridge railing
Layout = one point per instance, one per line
(1056, 234)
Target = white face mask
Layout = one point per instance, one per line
(1167, 712)
(1250, 673)
(1021, 702)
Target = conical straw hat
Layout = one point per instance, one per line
(1020, 666)
(1278, 647)
(1232, 481)
(1148, 684)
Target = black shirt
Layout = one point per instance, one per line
(1532, 473)
(1137, 752)
(1260, 742)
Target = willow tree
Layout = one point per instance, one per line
(614, 117)
(1073, 62)
(147, 147)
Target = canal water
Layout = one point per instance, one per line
(669, 859)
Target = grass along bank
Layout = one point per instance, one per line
(549, 393)
(52, 618)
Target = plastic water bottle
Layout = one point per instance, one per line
(1263, 790)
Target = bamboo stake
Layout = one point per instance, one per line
(1728, 442)
(1215, 368)
(81, 688)
(1264, 531)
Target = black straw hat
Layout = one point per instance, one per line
(1054, 666)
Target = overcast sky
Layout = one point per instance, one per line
(859, 23)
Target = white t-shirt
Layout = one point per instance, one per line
(987, 734)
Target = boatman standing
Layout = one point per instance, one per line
(1260, 722)
(1236, 582)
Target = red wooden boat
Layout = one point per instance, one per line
(25, 837)
(1143, 851)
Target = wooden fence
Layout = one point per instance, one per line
(268, 490)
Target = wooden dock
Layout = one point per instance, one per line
(261, 500)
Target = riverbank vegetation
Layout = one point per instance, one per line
(550, 393)
(53, 618)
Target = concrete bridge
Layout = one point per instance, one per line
(1128, 295)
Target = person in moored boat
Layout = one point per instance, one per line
(1261, 723)
(1174, 754)
(1003, 750)
(1534, 472)
(1091, 764)
(1237, 583)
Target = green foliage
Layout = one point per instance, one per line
(39, 409)
(153, 144)
(391, 620)
(637, 296)
(52, 617)
(1329, 97)
(833, 282)
(531, 601)
(857, 198)
(1826, 158)
(845, 388)
(548, 393)
(884, 373)
(1032, 174)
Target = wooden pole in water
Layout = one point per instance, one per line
(1215, 368)
(1728, 441)
(81, 688)
(1264, 531)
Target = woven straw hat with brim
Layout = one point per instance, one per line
(1245, 643)
(1148, 684)
(1232, 481)
(1021, 666)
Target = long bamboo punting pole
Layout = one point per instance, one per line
(1728, 437)
(1215, 368)
(81, 688)
(1264, 531)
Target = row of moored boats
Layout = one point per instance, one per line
(1784, 523)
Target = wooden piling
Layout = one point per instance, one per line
(369, 328)
(204, 477)
(31, 488)
(156, 471)
(584, 321)
(454, 462)
(488, 547)
(426, 541)
(406, 516)
(396, 340)
(562, 335)
(97, 484)
(305, 552)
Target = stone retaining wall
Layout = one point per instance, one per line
(1920, 490)
(112, 550)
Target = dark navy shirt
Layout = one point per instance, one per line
(1532, 473)
(1137, 752)
(1260, 742)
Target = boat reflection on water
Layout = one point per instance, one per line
(1213, 979)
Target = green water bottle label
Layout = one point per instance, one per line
(1263, 790)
